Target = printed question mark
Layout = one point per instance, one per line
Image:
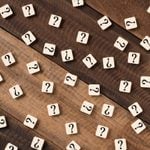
(17, 93)
(78, 2)
(89, 59)
(103, 130)
(34, 67)
(47, 86)
(144, 81)
(72, 146)
(6, 11)
(8, 58)
(105, 22)
(121, 44)
(69, 78)
(28, 9)
(108, 64)
(139, 125)
(134, 107)
(120, 142)
(71, 126)
(54, 108)
(95, 90)
(83, 35)
(36, 144)
(2, 121)
(28, 37)
(11, 147)
(50, 49)
(55, 19)
(126, 84)
(89, 108)
(106, 111)
(146, 41)
(66, 56)
(128, 23)
(29, 120)
(134, 57)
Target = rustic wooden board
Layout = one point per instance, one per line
(100, 45)
(119, 10)
(70, 99)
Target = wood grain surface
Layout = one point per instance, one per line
(100, 45)
(118, 10)
(69, 98)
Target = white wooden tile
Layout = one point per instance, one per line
(120, 144)
(130, 23)
(145, 43)
(70, 79)
(71, 128)
(107, 110)
(73, 146)
(28, 10)
(3, 122)
(148, 10)
(8, 59)
(49, 49)
(77, 3)
(121, 43)
(28, 38)
(125, 86)
(6, 11)
(145, 81)
(135, 109)
(1, 78)
(89, 61)
(33, 67)
(53, 109)
(94, 89)
(16, 91)
(138, 126)
(82, 37)
(102, 131)
(87, 107)
(37, 143)
(47, 87)
(108, 62)
(67, 55)
(10, 146)
(133, 58)
(104, 22)
(55, 20)
(30, 121)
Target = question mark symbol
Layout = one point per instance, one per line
(140, 124)
(95, 90)
(120, 142)
(128, 23)
(11, 147)
(134, 107)
(89, 59)
(121, 44)
(108, 64)
(36, 144)
(7, 57)
(54, 108)
(126, 84)
(28, 9)
(71, 126)
(134, 57)
(106, 111)
(66, 56)
(69, 78)
(34, 67)
(6, 11)
(55, 19)
(29, 120)
(83, 35)
(72, 146)
(50, 49)
(144, 81)
(2, 121)
(104, 22)
(146, 41)
(89, 108)
(17, 93)
(28, 37)
(102, 129)
(47, 86)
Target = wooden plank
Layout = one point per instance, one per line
(69, 98)
(100, 45)
(17, 134)
(119, 10)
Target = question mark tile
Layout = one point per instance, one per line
(16, 91)
(28, 10)
(120, 144)
(125, 86)
(135, 109)
(8, 59)
(107, 110)
(71, 128)
(73, 146)
(6, 11)
(55, 20)
(133, 58)
(87, 107)
(77, 3)
(37, 143)
(33, 67)
(148, 10)
(102, 131)
(89, 61)
(108, 62)
(121, 43)
(145, 43)
(67, 55)
(10, 146)
(49, 49)
(130, 23)
(82, 37)
(3, 122)
(1, 78)
(53, 109)
(94, 89)
(145, 81)
(104, 22)
(47, 87)
(70, 79)
(138, 126)
(28, 38)
(30, 121)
